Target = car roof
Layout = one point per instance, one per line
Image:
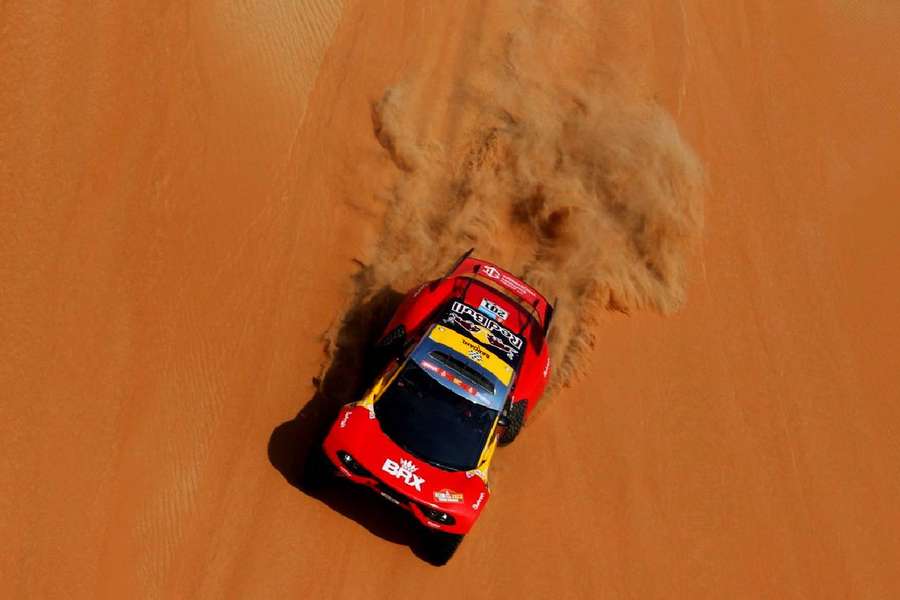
(465, 355)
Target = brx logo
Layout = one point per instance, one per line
(491, 272)
(404, 470)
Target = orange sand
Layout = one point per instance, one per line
(182, 195)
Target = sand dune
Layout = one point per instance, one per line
(207, 211)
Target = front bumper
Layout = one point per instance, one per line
(417, 508)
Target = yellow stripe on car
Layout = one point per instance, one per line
(487, 453)
(381, 384)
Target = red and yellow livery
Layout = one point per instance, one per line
(467, 361)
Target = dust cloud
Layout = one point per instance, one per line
(587, 192)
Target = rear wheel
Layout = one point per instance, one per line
(440, 546)
(515, 420)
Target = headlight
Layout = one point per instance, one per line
(351, 465)
(437, 516)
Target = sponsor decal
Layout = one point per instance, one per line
(488, 313)
(475, 473)
(493, 310)
(346, 417)
(508, 281)
(474, 349)
(477, 504)
(485, 329)
(448, 496)
(449, 377)
(404, 470)
(475, 355)
(491, 272)
(460, 343)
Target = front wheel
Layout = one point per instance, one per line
(515, 420)
(439, 546)
(317, 470)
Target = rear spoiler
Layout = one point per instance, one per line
(458, 262)
(510, 285)
(548, 316)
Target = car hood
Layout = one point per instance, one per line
(356, 431)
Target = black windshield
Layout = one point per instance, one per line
(431, 422)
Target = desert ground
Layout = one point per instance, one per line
(204, 206)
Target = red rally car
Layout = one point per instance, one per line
(467, 362)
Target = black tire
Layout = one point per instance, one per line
(439, 546)
(317, 470)
(515, 420)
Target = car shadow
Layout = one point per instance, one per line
(353, 367)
